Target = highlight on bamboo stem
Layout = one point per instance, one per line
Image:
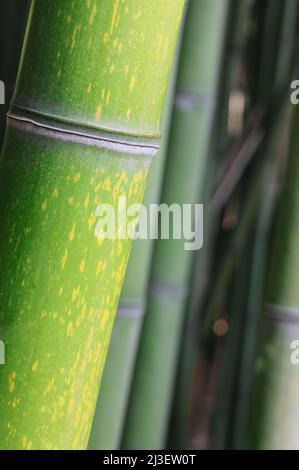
(124, 332)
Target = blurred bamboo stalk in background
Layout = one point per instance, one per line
(274, 410)
(83, 128)
(190, 137)
(274, 149)
(277, 65)
(232, 50)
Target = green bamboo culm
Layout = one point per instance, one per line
(113, 398)
(12, 28)
(274, 408)
(149, 406)
(82, 131)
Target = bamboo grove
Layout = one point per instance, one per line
(123, 343)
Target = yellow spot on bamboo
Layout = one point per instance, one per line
(59, 73)
(126, 69)
(104, 319)
(44, 205)
(55, 192)
(119, 248)
(61, 291)
(73, 44)
(89, 88)
(106, 38)
(133, 82)
(75, 293)
(115, 10)
(64, 259)
(82, 266)
(78, 417)
(93, 14)
(77, 177)
(11, 383)
(70, 406)
(87, 201)
(108, 97)
(91, 220)
(29, 445)
(24, 441)
(34, 366)
(99, 112)
(88, 3)
(61, 401)
(68, 18)
(14, 403)
(100, 267)
(107, 184)
(129, 113)
(70, 330)
(71, 200)
(72, 232)
(111, 69)
(115, 192)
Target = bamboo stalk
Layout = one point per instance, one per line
(276, 384)
(83, 127)
(233, 52)
(150, 401)
(182, 402)
(114, 394)
(274, 150)
(221, 425)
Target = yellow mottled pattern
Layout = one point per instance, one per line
(71, 285)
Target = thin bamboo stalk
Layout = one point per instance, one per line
(221, 426)
(182, 402)
(274, 149)
(276, 387)
(277, 65)
(114, 394)
(83, 127)
(149, 406)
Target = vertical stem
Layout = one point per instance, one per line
(83, 128)
(146, 426)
